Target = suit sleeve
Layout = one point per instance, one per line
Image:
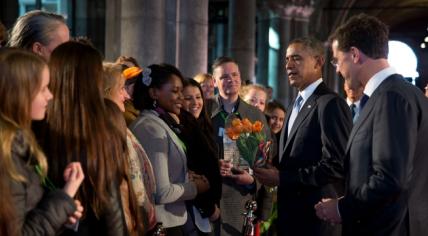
(335, 125)
(154, 140)
(395, 128)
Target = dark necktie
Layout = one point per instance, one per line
(363, 101)
(353, 110)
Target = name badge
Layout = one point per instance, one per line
(221, 132)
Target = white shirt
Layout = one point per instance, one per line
(308, 91)
(377, 79)
(305, 94)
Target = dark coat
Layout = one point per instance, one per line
(386, 160)
(311, 167)
(37, 212)
(202, 158)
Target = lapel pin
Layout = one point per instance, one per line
(309, 106)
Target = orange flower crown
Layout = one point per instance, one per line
(131, 72)
(244, 126)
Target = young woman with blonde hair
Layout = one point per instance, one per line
(24, 79)
(140, 168)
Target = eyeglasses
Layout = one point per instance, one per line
(334, 62)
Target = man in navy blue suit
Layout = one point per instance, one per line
(386, 155)
(312, 144)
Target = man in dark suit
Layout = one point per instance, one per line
(353, 99)
(312, 144)
(387, 152)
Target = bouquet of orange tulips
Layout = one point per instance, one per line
(250, 140)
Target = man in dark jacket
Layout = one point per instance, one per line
(386, 156)
(238, 186)
(311, 146)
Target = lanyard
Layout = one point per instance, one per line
(46, 182)
(224, 115)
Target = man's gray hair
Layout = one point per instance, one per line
(34, 26)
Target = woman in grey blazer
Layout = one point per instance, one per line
(158, 95)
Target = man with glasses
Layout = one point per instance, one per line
(386, 155)
(312, 144)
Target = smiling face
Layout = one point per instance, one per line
(119, 94)
(42, 97)
(193, 101)
(303, 68)
(170, 95)
(276, 120)
(227, 79)
(257, 98)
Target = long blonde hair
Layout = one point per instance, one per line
(20, 79)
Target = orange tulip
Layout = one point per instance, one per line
(236, 122)
(247, 126)
(257, 126)
(232, 134)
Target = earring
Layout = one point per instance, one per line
(154, 103)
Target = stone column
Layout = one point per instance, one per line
(241, 33)
(142, 30)
(263, 25)
(192, 37)
(113, 29)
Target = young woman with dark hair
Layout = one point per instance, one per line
(202, 150)
(78, 128)
(158, 94)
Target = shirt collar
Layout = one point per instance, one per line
(235, 107)
(357, 103)
(308, 91)
(377, 79)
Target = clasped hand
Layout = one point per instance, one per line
(327, 210)
(201, 182)
(240, 176)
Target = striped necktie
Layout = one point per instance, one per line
(296, 109)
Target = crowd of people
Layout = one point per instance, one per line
(92, 147)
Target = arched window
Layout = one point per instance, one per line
(403, 59)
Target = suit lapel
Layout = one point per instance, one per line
(307, 107)
(284, 134)
(365, 113)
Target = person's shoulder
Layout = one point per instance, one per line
(147, 122)
(250, 112)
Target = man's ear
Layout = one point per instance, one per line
(355, 54)
(320, 60)
(37, 48)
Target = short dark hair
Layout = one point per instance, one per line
(272, 105)
(314, 45)
(160, 75)
(367, 33)
(222, 60)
